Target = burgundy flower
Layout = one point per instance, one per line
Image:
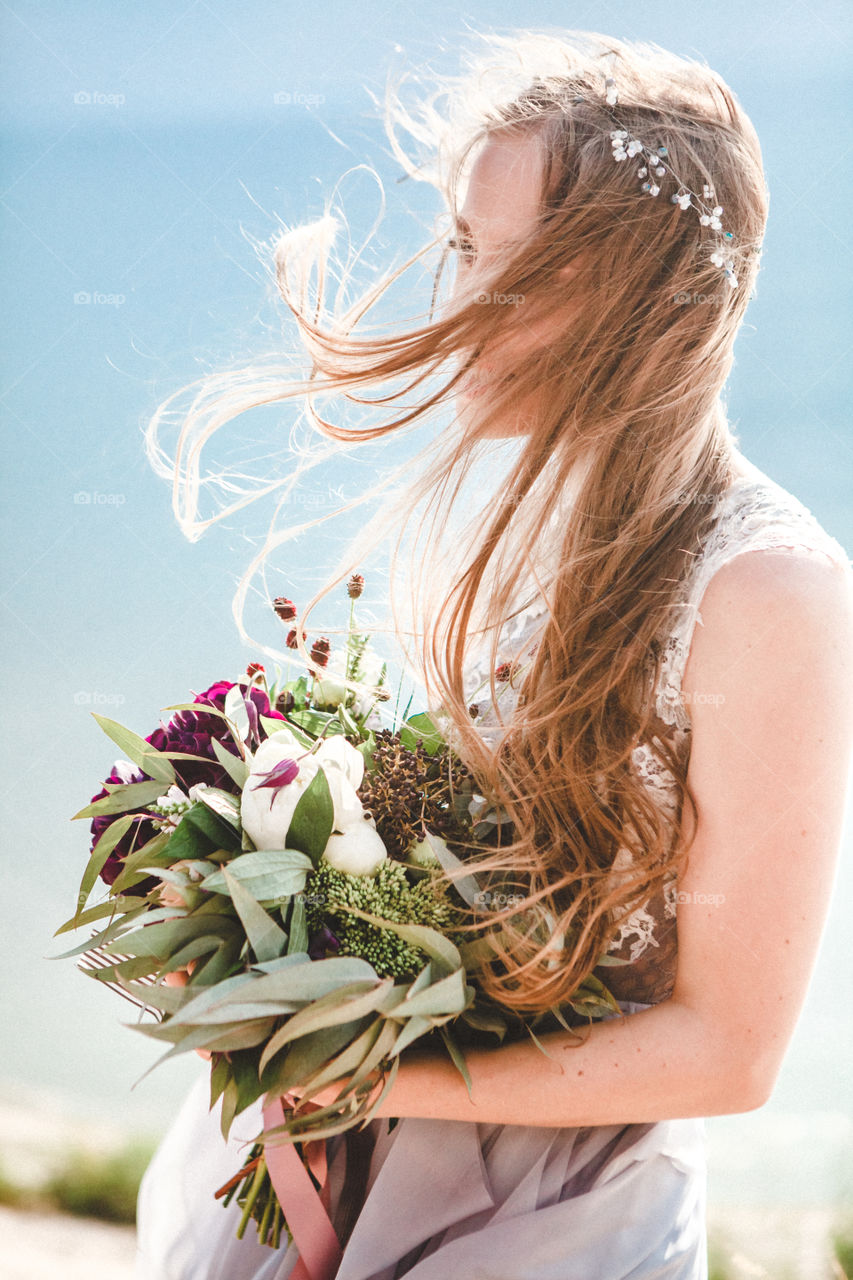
(505, 672)
(291, 638)
(253, 668)
(140, 831)
(285, 608)
(322, 943)
(355, 586)
(191, 732)
(320, 651)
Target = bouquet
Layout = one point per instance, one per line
(284, 852)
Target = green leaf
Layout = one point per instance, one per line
(236, 768)
(122, 798)
(220, 1073)
(310, 1053)
(456, 1055)
(230, 1098)
(148, 758)
(313, 818)
(466, 886)
(268, 874)
(342, 1005)
(113, 907)
(219, 831)
(113, 929)
(222, 803)
(245, 1069)
(421, 728)
(102, 849)
(412, 1030)
(163, 939)
(157, 851)
(265, 938)
(349, 1060)
(348, 724)
(297, 926)
(158, 996)
(485, 1020)
(377, 1055)
(218, 967)
(126, 970)
(318, 723)
(224, 1036)
(271, 726)
(448, 995)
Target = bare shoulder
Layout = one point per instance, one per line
(788, 610)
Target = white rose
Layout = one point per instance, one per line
(266, 813)
(358, 850)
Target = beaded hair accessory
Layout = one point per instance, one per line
(653, 165)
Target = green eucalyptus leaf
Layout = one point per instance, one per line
(348, 1061)
(156, 850)
(412, 1030)
(115, 907)
(268, 874)
(230, 1099)
(309, 1054)
(448, 995)
(113, 929)
(142, 753)
(342, 1005)
(317, 723)
(265, 938)
(101, 851)
(220, 1073)
(220, 832)
(236, 768)
(123, 797)
(297, 925)
(456, 1055)
(467, 886)
(164, 939)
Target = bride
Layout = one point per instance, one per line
(676, 789)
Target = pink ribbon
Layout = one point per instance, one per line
(305, 1210)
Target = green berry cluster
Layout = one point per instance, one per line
(389, 894)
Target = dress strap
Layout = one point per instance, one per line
(754, 514)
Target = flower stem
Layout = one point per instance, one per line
(263, 1229)
(257, 1182)
(349, 638)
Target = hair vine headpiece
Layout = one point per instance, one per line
(653, 165)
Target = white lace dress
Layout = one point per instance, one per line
(448, 1199)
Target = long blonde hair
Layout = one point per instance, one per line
(601, 505)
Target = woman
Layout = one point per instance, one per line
(606, 248)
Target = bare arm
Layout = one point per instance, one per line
(768, 768)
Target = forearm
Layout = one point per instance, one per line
(656, 1064)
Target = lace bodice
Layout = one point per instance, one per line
(753, 514)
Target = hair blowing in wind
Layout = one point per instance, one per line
(600, 503)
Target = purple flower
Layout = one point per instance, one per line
(322, 942)
(191, 732)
